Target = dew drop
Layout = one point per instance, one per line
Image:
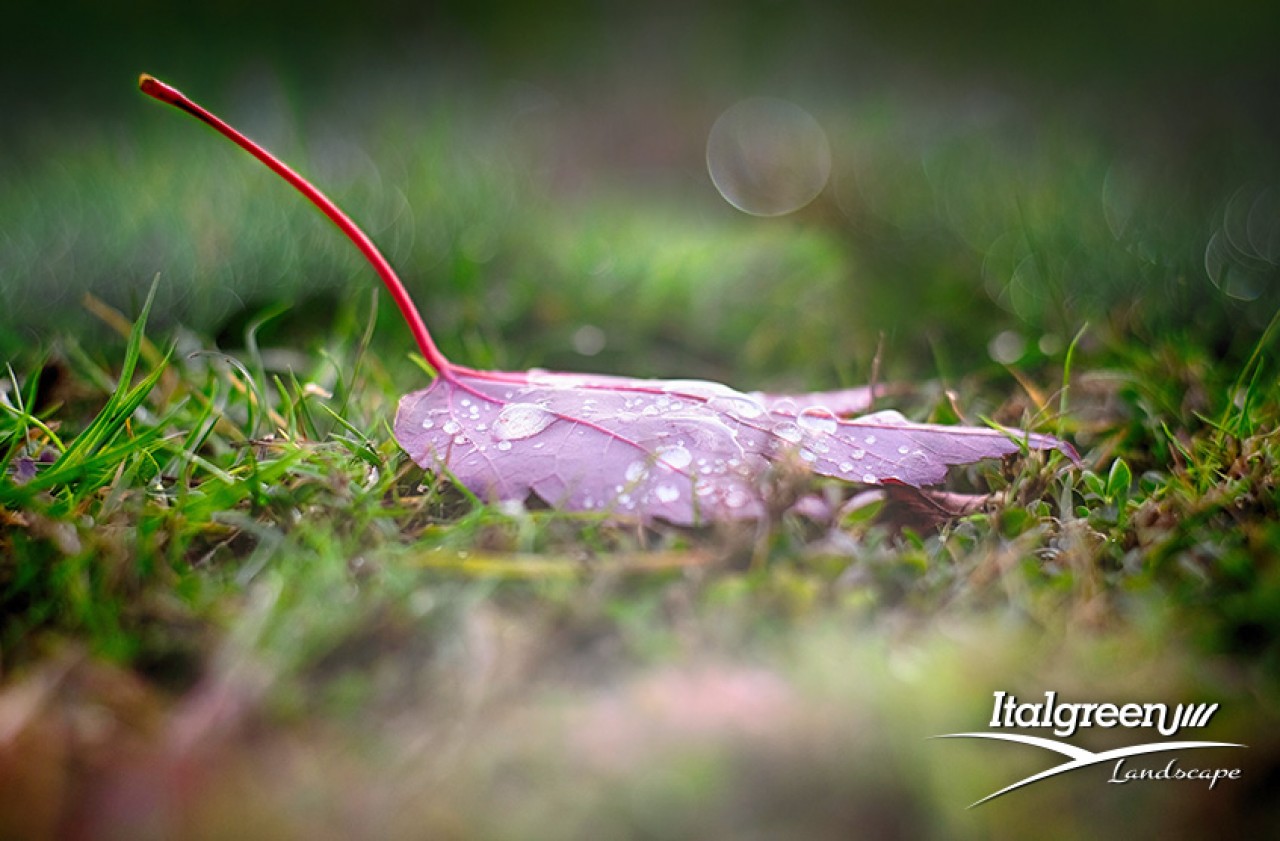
(870, 439)
(817, 419)
(785, 406)
(700, 389)
(521, 420)
(738, 405)
(427, 423)
(869, 478)
(846, 467)
(466, 402)
(504, 445)
(451, 427)
(676, 456)
(666, 493)
(904, 449)
(636, 471)
(809, 455)
(858, 454)
(788, 431)
(461, 439)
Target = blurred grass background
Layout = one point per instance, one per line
(1005, 169)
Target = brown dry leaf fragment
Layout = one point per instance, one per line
(923, 510)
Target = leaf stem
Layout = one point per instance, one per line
(167, 93)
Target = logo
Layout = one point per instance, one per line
(1065, 719)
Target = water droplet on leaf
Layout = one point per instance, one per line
(738, 405)
(521, 420)
(817, 419)
(788, 431)
(677, 456)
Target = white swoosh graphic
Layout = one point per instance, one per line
(1080, 758)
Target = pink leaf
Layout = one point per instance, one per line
(848, 401)
(684, 451)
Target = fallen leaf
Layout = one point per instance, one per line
(684, 451)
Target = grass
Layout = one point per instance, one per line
(228, 600)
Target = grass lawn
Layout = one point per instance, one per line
(230, 604)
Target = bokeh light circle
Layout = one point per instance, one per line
(768, 157)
